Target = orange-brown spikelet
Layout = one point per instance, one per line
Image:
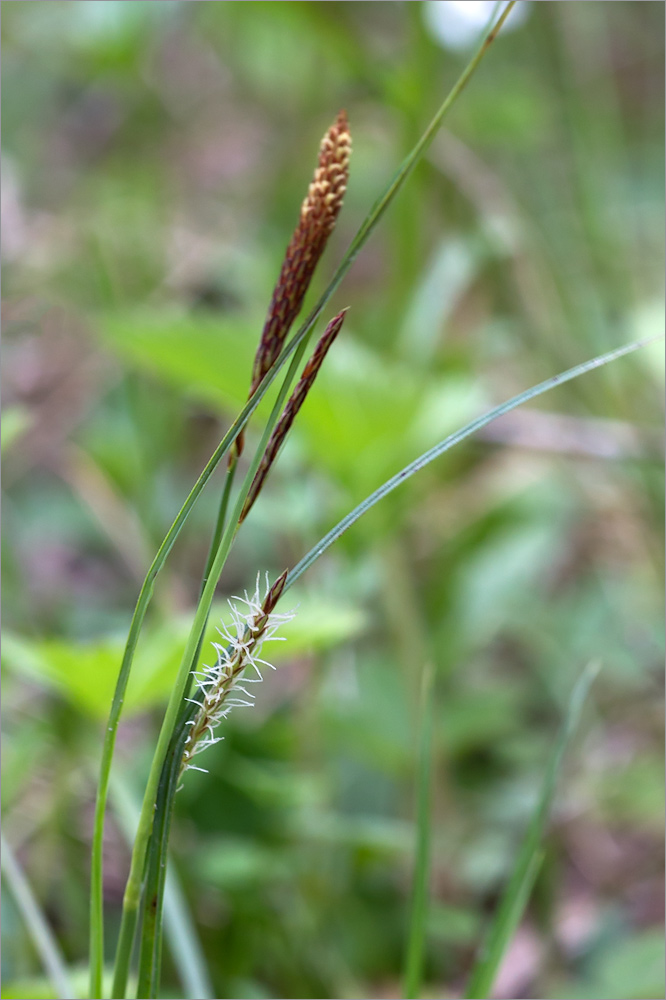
(291, 409)
(319, 212)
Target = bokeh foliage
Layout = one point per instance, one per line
(155, 158)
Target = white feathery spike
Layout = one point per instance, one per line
(219, 683)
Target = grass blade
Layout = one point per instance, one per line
(134, 885)
(429, 456)
(518, 890)
(184, 944)
(39, 930)
(138, 617)
(419, 912)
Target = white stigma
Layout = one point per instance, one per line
(223, 686)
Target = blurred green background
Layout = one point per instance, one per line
(155, 158)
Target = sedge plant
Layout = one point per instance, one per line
(202, 696)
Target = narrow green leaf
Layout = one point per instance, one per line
(518, 890)
(181, 933)
(39, 930)
(429, 456)
(133, 888)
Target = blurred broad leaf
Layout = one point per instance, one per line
(15, 420)
(366, 415)
(632, 969)
(211, 359)
(86, 672)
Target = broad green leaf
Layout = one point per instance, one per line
(86, 673)
(209, 358)
(632, 969)
(366, 414)
(15, 420)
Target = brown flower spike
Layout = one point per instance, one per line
(319, 212)
(291, 409)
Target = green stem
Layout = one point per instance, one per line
(151, 929)
(145, 594)
(184, 944)
(221, 520)
(38, 929)
(132, 894)
(217, 535)
(150, 958)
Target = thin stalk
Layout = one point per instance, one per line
(151, 928)
(509, 913)
(156, 886)
(132, 894)
(419, 910)
(300, 338)
(150, 957)
(42, 937)
(184, 944)
(145, 594)
(217, 532)
(221, 519)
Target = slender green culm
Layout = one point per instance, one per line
(184, 945)
(132, 895)
(42, 937)
(150, 955)
(517, 893)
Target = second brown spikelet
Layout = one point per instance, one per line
(294, 404)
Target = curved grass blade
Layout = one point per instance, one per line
(448, 442)
(38, 929)
(419, 911)
(181, 934)
(300, 338)
(133, 888)
(155, 889)
(516, 895)
(138, 617)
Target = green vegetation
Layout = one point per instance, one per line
(156, 156)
